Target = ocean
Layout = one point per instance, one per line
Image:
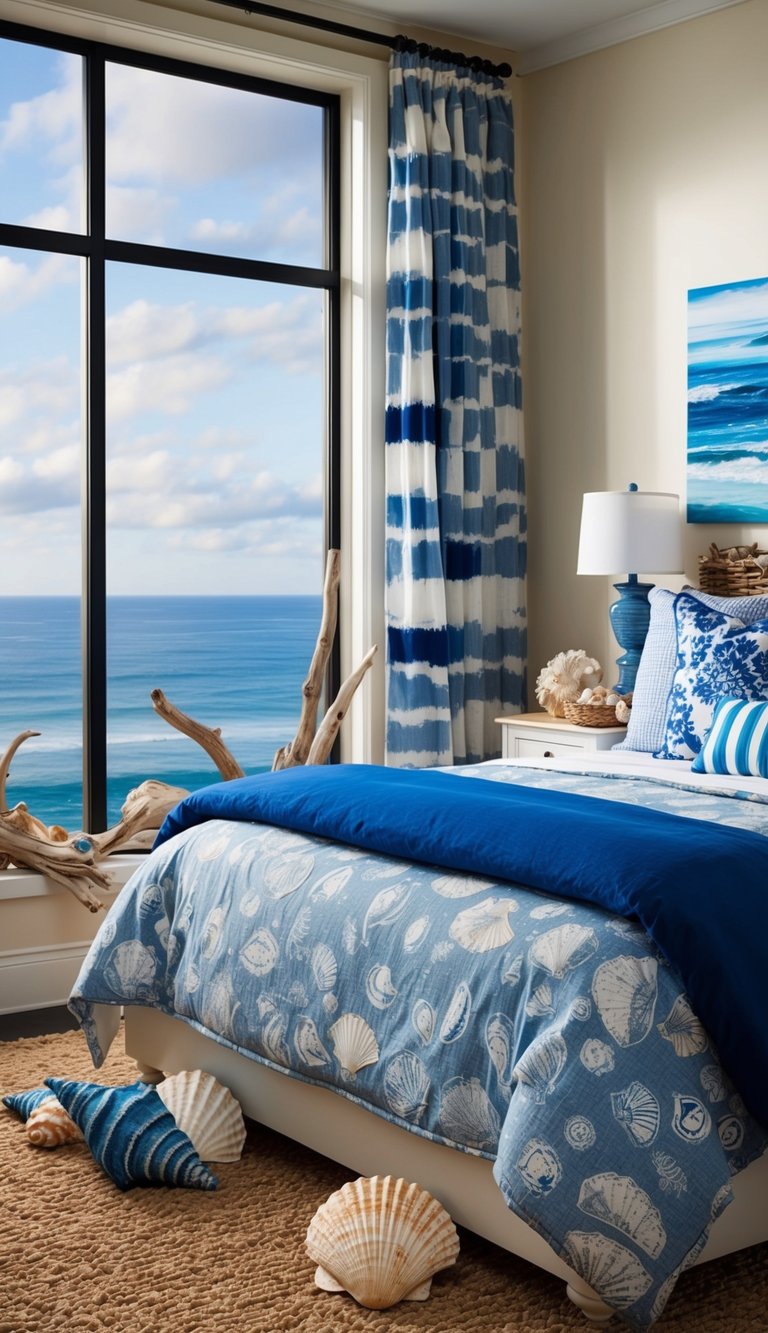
(728, 431)
(237, 663)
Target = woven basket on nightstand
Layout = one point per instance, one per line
(734, 571)
(591, 715)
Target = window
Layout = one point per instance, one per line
(169, 274)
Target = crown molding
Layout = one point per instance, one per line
(614, 31)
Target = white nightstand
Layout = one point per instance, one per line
(539, 736)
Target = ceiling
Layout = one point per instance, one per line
(543, 31)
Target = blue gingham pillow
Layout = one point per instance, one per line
(738, 741)
(717, 655)
(659, 659)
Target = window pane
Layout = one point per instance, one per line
(41, 120)
(215, 465)
(40, 431)
(203, 167)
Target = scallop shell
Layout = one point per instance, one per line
(308, 1045)
(461, 886)
(261, 952)
(386, 907)
(423, 1019)
(683, 1029)
(324, 967)
(286, 874)
(597, 1057)
(540, 1002)
(560, 950)
(619, 1202)
(624, 990)
(484, 926)
(457, 1014)
(610, 1269)
(49, 1125)
(541, 1065)
(500, 1040)
(131, 971)
(379, 988)
(467, 1115)
(406, 1086)
(207, 1113)
(354, 1043)
(539, 1166)
(381, 1240)
(636, 1108)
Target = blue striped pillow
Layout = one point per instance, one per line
(737, 742)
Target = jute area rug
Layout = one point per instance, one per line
(76, 1254)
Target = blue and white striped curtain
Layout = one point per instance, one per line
(456, 548)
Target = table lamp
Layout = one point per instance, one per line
(630, 530)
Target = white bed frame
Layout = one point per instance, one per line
(370, 1145)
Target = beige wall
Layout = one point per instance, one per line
(646, 173)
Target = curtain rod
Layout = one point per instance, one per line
(399, 43)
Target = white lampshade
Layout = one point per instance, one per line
(630, 532)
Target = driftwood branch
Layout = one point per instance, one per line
(297, 750)
(329, 727)
(209, 738)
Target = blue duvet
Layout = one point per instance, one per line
(549, 1034)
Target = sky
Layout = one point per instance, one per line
(215, 386)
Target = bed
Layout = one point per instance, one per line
(531, 1057)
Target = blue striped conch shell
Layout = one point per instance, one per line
(132, 1136)
(683, 1029)
(563, 948)
(206, 1112)
(386, 908)
(406, 1086)
(423, 1019)
(609, 1268)
(540, 1168)
(467, 1115)
(261, 952)
(597, 1057)
(381, 1240)
(636, 1108)
(324, 967)
(354, 1043)
(540, 1066)
(306, 1039)
(457, 1014)
(285, 874)
(379, 988)
(619, 1202)
(691, 1120)
(624, 990)
(484, 926)
(24, 1103)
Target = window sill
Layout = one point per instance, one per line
(30, 884)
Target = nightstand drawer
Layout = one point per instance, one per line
(526, 748)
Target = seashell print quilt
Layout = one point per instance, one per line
(548, 1035)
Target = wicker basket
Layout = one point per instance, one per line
(734, 571)
(591, 715)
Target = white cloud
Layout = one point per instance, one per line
(142, 331)
(138, 213)
(61, 463)
(10, 470)
(21, 284)
(168, 386)
(55, 116)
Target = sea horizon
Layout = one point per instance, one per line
(234, 661)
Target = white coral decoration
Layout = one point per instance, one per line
(564, 678)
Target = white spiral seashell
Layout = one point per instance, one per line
(381, 1240)
(354, 1043)
(49, 1125)
(206, 1112)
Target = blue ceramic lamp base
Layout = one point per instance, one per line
(630, 617)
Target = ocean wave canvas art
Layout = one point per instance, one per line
(728, 403)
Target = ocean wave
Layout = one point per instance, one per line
(705, 393)
(271, 732)
(745, 470)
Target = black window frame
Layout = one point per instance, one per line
(96, 250)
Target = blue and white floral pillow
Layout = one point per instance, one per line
(717, 655)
